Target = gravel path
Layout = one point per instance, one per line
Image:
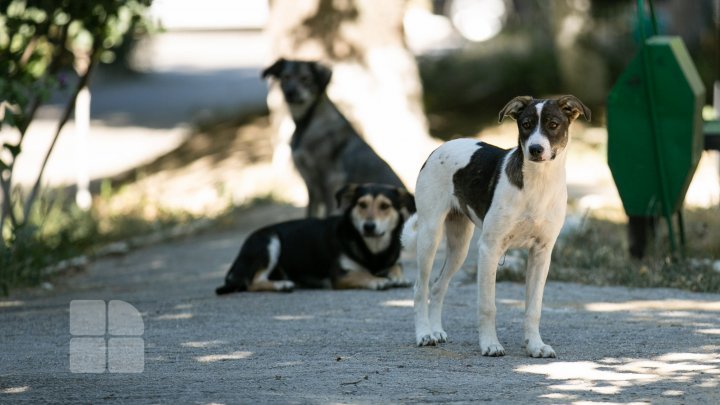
(614, 344)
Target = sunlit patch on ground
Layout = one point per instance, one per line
(398, 303)
(293, 317)
(203, 344)
(11, 304)
(170, 317)
(675, 305)
(611, 376)
(15, 390)
(223, 357)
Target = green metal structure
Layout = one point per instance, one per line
(655, 129)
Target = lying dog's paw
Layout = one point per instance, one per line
(426, 340)
(284, 286)
(380, 284)
(400, 283)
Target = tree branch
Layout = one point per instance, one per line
(7, 209)
(52, 69)
(84, 80)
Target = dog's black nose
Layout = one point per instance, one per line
(369, 227)
(536, 150)
(292, 95)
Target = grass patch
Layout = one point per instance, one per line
(597, 254)
(59, 231)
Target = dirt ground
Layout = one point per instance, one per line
(318, 346)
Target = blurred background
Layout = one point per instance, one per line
(129, 118)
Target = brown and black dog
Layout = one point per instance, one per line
(326, 149)
(358, 249)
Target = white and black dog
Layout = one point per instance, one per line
(358, 249)
(517, 197)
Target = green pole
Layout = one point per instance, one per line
(654, 122)
(652, 17)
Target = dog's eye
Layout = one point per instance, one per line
(363, 205)
(552, 125)
(526, 124)
(384, 206)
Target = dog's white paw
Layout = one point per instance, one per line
(493, 349)
(284, 286)
(426, 340)
(440, 336)
(540, 349)
(380, 284)
(400, 283)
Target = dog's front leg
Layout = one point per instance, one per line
(488, 256)
(314, 201)
(537, 271)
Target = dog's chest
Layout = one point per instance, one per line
(527, 216)
(319, 145)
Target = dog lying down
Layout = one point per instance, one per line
(358, 249)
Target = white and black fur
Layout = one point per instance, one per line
(358, 249)
(326, 149)
(516, 198)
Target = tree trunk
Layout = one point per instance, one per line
(375, 80)
(582, 69)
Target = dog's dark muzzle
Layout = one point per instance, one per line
(292, 96)
(536, 154)
(370, 230)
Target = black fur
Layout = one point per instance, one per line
(514, 168)
(310, 249)
(475, 183)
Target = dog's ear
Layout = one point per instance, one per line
(322, 74)
(275, 69)
(514, 107)
(573, 107)
(346, 195)
(407, 203)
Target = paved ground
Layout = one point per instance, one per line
(614, 344)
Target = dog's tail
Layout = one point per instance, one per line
(408, 239)
(224, 289)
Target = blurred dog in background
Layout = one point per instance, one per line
(327, 151)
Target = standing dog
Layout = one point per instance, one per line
(326, 149)
(516, 197)
(359, 249)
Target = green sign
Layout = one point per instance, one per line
(655, 128)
